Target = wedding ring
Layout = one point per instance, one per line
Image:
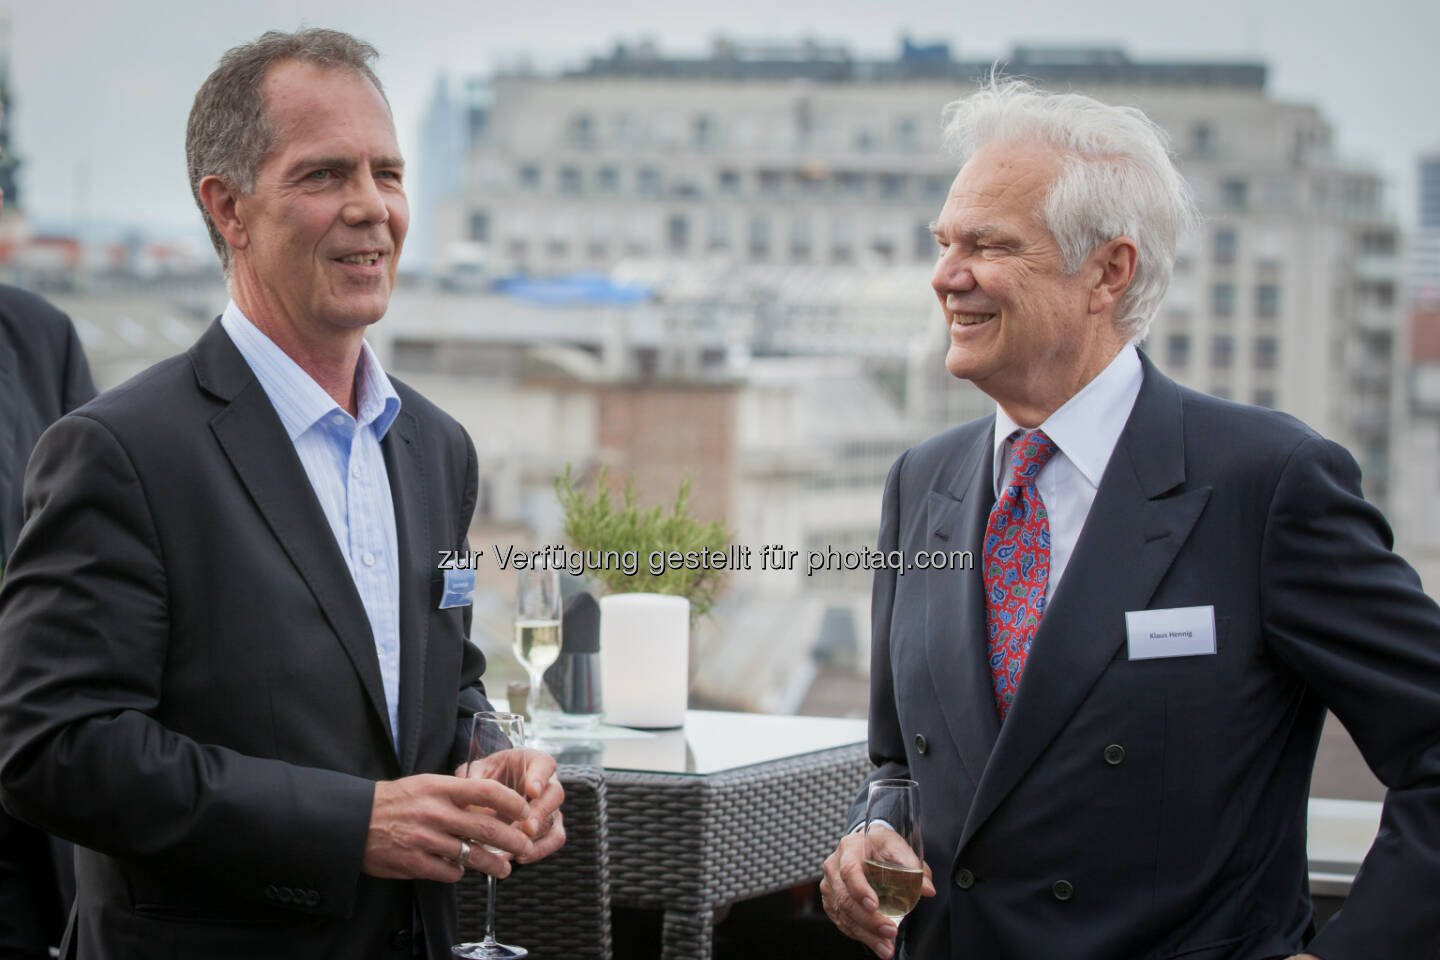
(464, 854)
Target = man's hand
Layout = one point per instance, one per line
(417, 823)
(541, 821)
(851, 902)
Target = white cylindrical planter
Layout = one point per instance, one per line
(644, 659)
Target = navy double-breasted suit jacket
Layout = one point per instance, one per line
(1153, 809)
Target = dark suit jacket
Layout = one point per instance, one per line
(43, 376)
(1188, 841)
(188, 683)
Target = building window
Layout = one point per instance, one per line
(1222, 300)
(1234, 194)
(1177, 350)
(892, 185)
(1379, 242)
(529, 175)
(1202, 140)
(759, 238)
(771, 181)
(800, 239)
(850, 184)
(1265, 397)
(884, 249)
(1267, 352)
(729, 182)
(677, 233)
(480, 226)
(598, 250)
(557, 248)
(936, 188)
(581, 129)
(570, 180)
(907, 133)
(1267, 300)
(719, 238)
(1224, 246)
(1222, 351)
(608, 179)
(842, 240)
(925, 246)
(702, 132)
(647, 181)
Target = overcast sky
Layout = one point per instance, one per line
(102, 89)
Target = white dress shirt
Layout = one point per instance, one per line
(342, 457)
(1085, 431)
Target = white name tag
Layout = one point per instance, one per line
(1177, 632)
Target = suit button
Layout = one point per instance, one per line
(401, 939)
(922, 746)
(1062, 889)
(964, 879)
(312, 898)
(287, 895)
(1114, 754)
(272, 892)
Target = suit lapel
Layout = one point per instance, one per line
(250, 433)
(1130, 538)
(955, 616)
(404, 465)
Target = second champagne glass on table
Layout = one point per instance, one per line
(498, 742)
(537, 629)
(894, 849)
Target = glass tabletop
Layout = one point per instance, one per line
(710, 742)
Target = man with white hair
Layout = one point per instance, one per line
(1113, 716)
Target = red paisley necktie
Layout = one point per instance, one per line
(1017, 566)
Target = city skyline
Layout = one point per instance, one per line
(122, 78)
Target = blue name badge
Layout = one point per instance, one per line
(459, 589)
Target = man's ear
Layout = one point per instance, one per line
(222, 203)
(1113, 267)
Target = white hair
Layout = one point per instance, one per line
(1116, 179)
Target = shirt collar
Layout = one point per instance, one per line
(298, 399)
(1088, 425)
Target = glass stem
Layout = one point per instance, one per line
(532, 701)
(489, 911)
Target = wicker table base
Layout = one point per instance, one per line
(692, 845)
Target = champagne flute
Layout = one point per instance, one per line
(894, 850)
(497, 740)
(537, 629)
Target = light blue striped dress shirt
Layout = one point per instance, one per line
(341, 455)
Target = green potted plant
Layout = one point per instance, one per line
(660, 567)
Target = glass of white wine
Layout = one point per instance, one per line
(894, 850)
(498, 742)
(537, 630)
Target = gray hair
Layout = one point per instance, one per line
(228, 135)
(1116, 179)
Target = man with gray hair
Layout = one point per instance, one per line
(1113, 717)
(229, 668)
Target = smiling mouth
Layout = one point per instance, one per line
(971, 319)
(361, 259)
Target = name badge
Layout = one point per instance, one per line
(459, 589)
(1176, 632)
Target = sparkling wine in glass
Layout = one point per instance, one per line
(537, 629)
(497, 741)
(894, 850)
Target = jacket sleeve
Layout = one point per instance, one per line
(472, 697)
(887, 746)
(84, 634)
(1350, 617)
